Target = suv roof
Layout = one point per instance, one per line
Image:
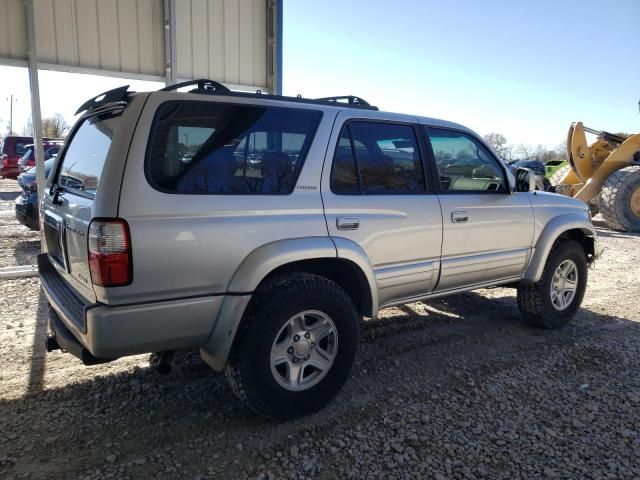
(211, 87)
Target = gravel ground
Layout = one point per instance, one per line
(457, 388)
(18, 244)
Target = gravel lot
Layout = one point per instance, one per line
(455, 388)
(18, 244)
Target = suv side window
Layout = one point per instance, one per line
(377, 158)
(217, 148)
(464, 164)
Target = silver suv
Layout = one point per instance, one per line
(262, 228)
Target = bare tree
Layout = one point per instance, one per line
(498, 142)
(524, 151)
(27, 130)
(53, 127)
(540, 153)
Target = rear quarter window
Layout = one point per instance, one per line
(216, 148)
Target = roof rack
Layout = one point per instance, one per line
(211, 87)
(350, 100)
(204, 86)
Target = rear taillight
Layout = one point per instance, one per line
(5, 160)
(110, 253)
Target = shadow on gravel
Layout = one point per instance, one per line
(138, 411)
(605, 231)
(26, 251)
(38, 359)
(4, 196)
(467, 315)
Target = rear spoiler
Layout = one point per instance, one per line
(119, 94)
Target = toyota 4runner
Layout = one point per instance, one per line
(261, 228)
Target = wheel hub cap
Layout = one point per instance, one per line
(304, 350)
(564, 285)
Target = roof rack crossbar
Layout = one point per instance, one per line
(204, 86)
(351, 100)
(110, 96)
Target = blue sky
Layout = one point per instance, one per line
(524, 69)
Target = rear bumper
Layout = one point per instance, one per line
(9, 172)
(111, 332)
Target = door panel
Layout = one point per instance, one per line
(487, 231)
(401, 233)
(493, 243)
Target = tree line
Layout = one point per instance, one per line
(53, 127)
(521, 151)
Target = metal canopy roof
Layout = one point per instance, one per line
(231, 41)
(238, 42)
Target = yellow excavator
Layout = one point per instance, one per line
(604, 174)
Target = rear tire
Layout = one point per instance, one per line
(620, 200)
(262, 365)
(537, 302)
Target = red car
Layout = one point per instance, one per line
(13, 148)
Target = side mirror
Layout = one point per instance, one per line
(525, 180)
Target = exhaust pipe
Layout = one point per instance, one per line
(163, 361)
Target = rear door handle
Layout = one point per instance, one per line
(347, 223)
(459, 217)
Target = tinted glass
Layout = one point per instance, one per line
(84, 159)
(21, 148)
(463, 163)
(213, 148)
(344, 178)
(387, 159)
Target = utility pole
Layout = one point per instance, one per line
(10, 98)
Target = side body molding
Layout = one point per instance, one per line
(552, 230)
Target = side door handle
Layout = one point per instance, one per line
(347, 223)
(459, 217)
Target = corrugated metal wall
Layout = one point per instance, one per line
(225, 40)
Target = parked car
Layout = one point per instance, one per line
(269, 271)
(552, 166)
(28, 160)
(538, 168)
(13, 148)
(27, 203)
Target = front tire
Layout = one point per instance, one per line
(554, 299)
(295, 346)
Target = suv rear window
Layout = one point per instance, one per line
(84, 158)
(215, 148)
